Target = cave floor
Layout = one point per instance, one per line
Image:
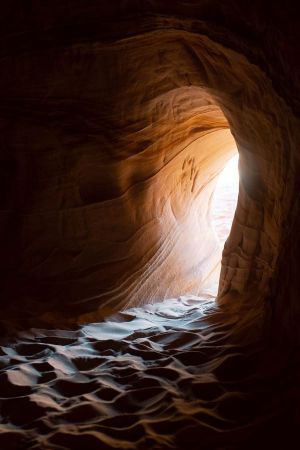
(155, 377)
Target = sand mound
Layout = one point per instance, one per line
(155, 377)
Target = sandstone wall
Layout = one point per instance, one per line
(115, 122)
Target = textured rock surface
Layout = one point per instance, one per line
(116, 118)
(114, 123)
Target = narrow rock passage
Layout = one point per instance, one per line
(116, 118)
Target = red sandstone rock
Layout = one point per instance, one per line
(114, 129)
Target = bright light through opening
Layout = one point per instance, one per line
(225, 199)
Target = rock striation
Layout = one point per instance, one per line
(115, 122)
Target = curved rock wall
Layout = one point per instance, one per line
(112, 138)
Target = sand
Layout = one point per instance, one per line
(160, 376)
(154, 377)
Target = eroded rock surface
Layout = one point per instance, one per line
(115, 121)
(116, 118)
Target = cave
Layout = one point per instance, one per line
(117, 119)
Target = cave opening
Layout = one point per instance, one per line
(224, 204)
(117, 120)
(225, 199)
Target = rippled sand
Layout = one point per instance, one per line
(161, 376)
(156, 377)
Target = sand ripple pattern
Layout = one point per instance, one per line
(156, 377)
